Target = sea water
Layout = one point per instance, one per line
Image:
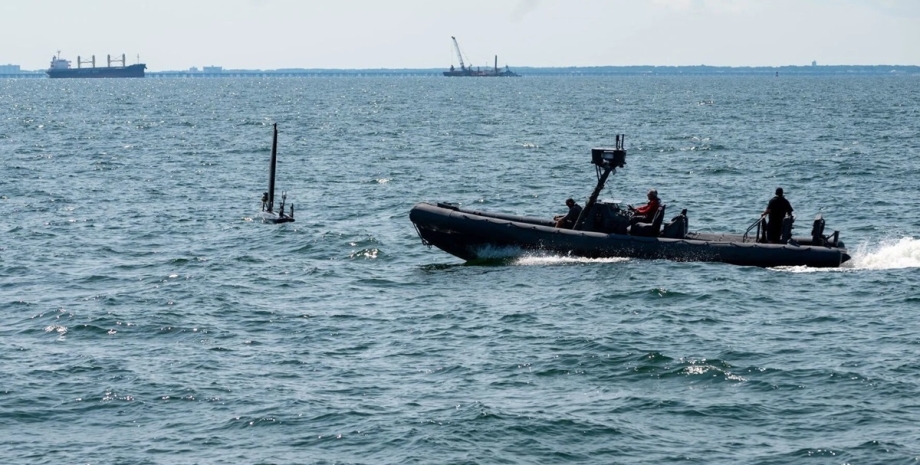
(148, 317)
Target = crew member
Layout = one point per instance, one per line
(567, 221)
(645, 213)
(775, 212)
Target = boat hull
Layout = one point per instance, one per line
(131, 71)
(470, 234)
(274, 218)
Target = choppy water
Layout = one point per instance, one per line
(147, 319)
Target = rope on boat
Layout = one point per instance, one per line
(419, 232)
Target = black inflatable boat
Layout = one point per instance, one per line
(605, 230)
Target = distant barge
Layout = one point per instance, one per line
(469, 71)
(60, 68)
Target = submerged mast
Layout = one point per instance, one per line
(268, 197)
(271, 170)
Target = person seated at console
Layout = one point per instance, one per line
(645, 213)
(567, 221)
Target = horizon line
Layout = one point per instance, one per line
(440, 69)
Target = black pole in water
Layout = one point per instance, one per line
(271, 170)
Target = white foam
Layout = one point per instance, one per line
(889, 254)
(548, 260)
(886, 255)
(803, 269)
(523, 257)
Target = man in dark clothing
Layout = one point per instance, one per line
(775, 212)
(567, 221)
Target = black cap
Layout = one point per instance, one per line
(779, 191)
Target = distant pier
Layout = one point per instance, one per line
(35, 75)
(289, 73)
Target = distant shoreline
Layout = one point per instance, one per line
(538, 71)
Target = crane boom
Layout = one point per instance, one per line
(459, 55)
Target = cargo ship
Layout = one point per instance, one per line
(60, 68)
(469, 71)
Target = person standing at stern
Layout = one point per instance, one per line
(777, 209)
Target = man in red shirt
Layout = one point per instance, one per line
(645, 213)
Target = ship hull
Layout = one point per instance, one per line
(132, 71)
(470, 73)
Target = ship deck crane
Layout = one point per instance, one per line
(459, 55)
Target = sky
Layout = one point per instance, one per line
(397, 34)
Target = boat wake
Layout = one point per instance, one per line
(517, 256)
(550, 260)
(888, 254)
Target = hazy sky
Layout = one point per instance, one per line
(272, 34)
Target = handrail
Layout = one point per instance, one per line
(755, 224)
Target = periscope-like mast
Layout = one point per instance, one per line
(605, 161)
(268, 198)
(271, 171)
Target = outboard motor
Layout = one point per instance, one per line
(786, 234)
(818, 237)
(817, 231)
